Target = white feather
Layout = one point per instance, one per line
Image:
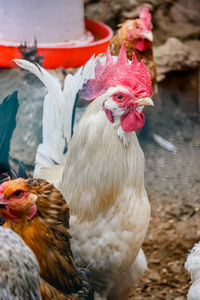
(52, 147)
(72, 85)
(57, 112)
(134, 273)
(192, 265)
(164, 143)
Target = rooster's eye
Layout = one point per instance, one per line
(118, 97)
(18, 194)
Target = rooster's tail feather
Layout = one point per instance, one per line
(51, 150)
(73, 84)
(8, 112)
(59, 106)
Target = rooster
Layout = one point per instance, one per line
(102, 173)
(19, 269)
(192, 265)
(37, 211)
(138, 37)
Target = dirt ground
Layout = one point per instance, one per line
(172, 182)
(166, 247)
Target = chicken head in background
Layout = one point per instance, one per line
(138, 37)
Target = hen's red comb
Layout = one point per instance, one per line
(133, 76)
(145, 16)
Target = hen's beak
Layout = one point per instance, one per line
(145, 101)
(148, 35)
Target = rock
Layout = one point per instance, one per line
(165, 28)
(179, 298)
(28, 132)
(174, 55)
(154, 276)
(186, 12)
(175, 267)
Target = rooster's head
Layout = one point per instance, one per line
(125, 88)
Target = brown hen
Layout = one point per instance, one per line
(37, 211)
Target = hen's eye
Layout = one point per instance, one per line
(137, 27)
(119, 96)
(18, 193)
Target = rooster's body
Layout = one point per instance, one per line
(102, 176)
(105, 199)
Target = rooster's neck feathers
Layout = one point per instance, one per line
(112, 166)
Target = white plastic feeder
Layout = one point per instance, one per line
(48, 21)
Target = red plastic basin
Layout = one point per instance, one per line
(68, 56)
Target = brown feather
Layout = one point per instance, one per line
(48, 292)
(47, 233)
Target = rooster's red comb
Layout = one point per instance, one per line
(145, 16)
(133, 76)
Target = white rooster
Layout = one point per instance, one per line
(102, 174)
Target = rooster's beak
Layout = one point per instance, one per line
(145, 101)
(148, 35)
